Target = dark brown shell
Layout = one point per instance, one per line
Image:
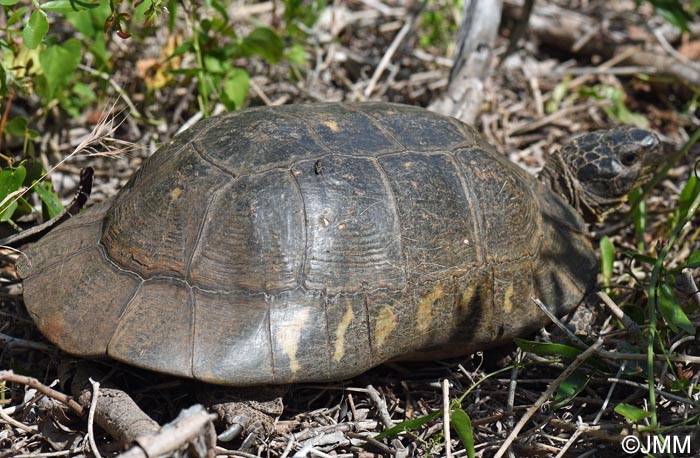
(308, 243)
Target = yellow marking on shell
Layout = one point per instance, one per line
(289, 336)
(340, 333)
(175, 193)
(385, 324)
(425, 309)
(466, 299)
(332, 125)
(508, 299)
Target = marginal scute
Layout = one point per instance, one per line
(514, 313)
(385, 323)
(79, 232)
(393, 318)
(457, 308)
(349, 335)
(155, 331)
(299, 334)
(341, 329)
(232, 338)
(427, 309)
(81, 317)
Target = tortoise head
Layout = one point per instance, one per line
(596, 171)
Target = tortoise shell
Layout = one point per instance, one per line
(309, 243)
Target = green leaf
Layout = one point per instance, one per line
(673, 12)
(67, 6)
(547, 348)
(218, 6)
(59, 63)
(17, 15)
(212, 64)
(85, 92)
(408, 425)
(10, 181)
(297, 55)
(631, 413)
(52, 203)
(35, 170)
(36, 29)
(693, 260)
(263, 42)
(91, 24)
(642, 258)
(236, 88)
(17, 126)
(672, 311)
(462, 424)
(570, 388)
(8, 2)
(616, 108)
(185, 47)
(558, 94)
(639, 216)
(687, 195)
(607, 259)
(555, 349)
(173, 16)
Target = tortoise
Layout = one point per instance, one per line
(313, 242)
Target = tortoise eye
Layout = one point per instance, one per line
(628, 158)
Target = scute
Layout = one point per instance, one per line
(309, 243)
(172, 196)
(420, 130)
(352, 227)
(258, 140)
(155, 330)
(436, 213)
(232, 338)
(249, 242)
(507, 202)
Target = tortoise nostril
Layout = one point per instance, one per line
(649, 140)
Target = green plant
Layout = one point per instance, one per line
(459, 419)
(439, 22)
(71, 71)
(616, 109)
(662, 299)
(675, 12)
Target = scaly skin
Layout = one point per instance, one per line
(596, 171)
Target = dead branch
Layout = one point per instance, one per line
(472, 62)
(193, 428)
(31, 382)
(578, 33)
(115, 411)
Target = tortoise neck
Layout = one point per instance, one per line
(557, 175)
